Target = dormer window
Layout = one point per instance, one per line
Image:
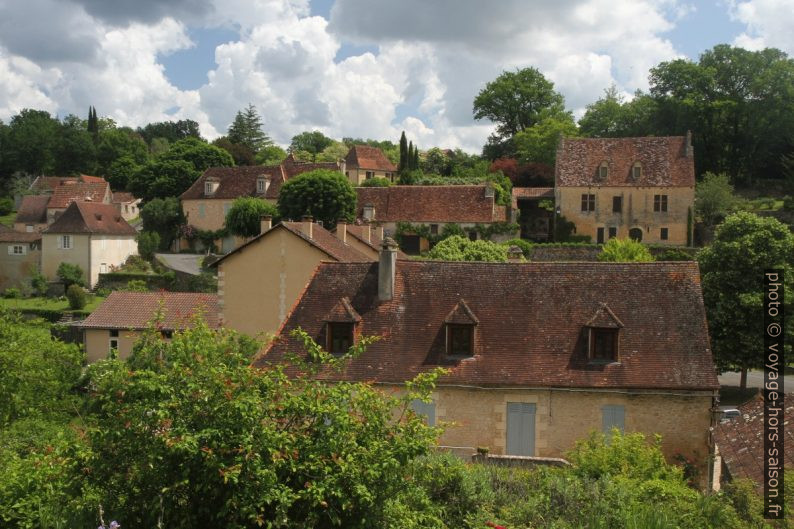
(603, 170)
(603, 336)
(262, 183)
(340, 327)
(369, 212)
(460, 326)
(636, 171)
(210, 186)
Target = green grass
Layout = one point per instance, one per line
(47, 303)
(8, 220)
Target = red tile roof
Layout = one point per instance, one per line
(122, 197)
(530, 319)
(533, 192)
(741, 439)
(62, 196)
(664, 162)
(91, 179)
(321, 239)
(236, 182)
(33, 209)
(429, 204)
(90, 217)
(48, 183)
(134, 310)
(366, 157)
(19, 236)
(358, 232)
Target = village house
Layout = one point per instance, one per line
(206, 203)
(119, 321)
(36, 212)
(537, 355)
(63, 195)
(126, 204)
(20, 256)
(32, 213)
(364, 163)
(428, 209)
(259, 282)
(90, 235)
(639, 188)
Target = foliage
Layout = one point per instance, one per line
(148, 244)
(409, 177)
(246, 129)
(524, 175)
(241, 154)
(312, 142)
(173, 131)
(538, 143)
(189, 435)
(70, 274)
(244, 217)
(457, 248)
(76, 296)
(613, 117)
(333, 153)
(377, 181)
(625, 251)
(435, 161)
(271, 155)
(38, 282)
(204, 282)
(163, 216)
(526, 246)
(674, 254)
(6, 206)
(12, 293)
(115, 143)
(732, 270)
(136, 264)
(137, 285)
(325, 195)
(714, 198)
(500, 183)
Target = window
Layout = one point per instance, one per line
(16, 249)
(425, 409)
(260, 185)
(208, 188)
(202, 211)
(114, 344)
(603, 170)
(460, 340)
(167, 334)
(635, 234)
(226, 208)
(434, 229)
(603, 344)
(588, 202)
(29, 228)
(613, 232)
(663, 234)
(660, 202)
(636, 171)
(103, 268)
(114, 333)
(370, 174)
(600, 235)
(617, 204)
(613, 416)
(65, 242)
(340, 337)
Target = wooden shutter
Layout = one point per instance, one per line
(613, 416)
(520, 429)
(428, 409)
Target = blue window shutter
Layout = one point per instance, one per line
(428, 409)
(613, 416)
(520, 429)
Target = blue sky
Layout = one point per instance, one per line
(361, 68)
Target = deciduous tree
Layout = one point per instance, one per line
(325, 195)
(244, 217)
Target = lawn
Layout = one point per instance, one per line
(47, 303)
(8, 220)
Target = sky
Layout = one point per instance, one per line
(349, 68)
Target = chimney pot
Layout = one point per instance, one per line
(307, 225)
(265, 223)
(386, 269)
(514, 254)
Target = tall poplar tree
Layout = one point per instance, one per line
(403, 153)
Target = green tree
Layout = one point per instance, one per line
(242, 155)
(403, 164)
(714, 198)
(334, 152)
(75, 151)
(188, 435)
(172, 131)
(162, 179)
(325, 195)
(732, 272)
(115, 143)
(436, 162)
(377, 181)
(76, 296)
(625, 251)
(538, 143)
(312, 142)
(32, 142)
(70, 274)
(457, 248)
(163, 216)
(271, 155)
(92, 125)
(244, 217)
(148, 244)
(515, 101)
(121, 171)
(200, 154)
(246, 129)
(613, 117)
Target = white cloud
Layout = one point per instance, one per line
(768, 24)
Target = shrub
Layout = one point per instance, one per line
(137, 285)
(38, 283)
(674, 254)
(244, 217)
(526, 246)
(378, 181)
(76, 296)
(148, 244)
(70, 274)
(625, 251)
(11, 293)
(6, 206)
(136, 264)
(457, 248)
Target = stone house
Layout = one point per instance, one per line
(20, 256)
(206, 203)
(429, 209)
(259, 281)
(537, 355)
(126, 204)
(97, 192)
(93, 236)
(364, 163)
(32, 213)
(119, 321)
(643, 188)
(36, 212)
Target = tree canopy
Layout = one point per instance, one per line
(624, 251)
(246, 129)
(313, 142)
(457, 248)
(163, 216)
(244, 217)
(325, 195)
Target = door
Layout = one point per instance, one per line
(520, 429)
(410, 244)
(636, 234)
(600, 236)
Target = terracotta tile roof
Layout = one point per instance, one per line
(366, 157)
(48, 183)
(429, 204)
(533, 192)
(530, 322)
(67, 193)
(134, 310)
(741, 439)
(122, 197)
(236, 182)
(19, 236)
(664, 162)
(91, 179)
(33, 209)
(358, 232)
(321, 239)
(90, 217)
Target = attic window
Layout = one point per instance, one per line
(603, 336)
(340, 337)
(369, 212)
(262, 183)
(210, 187)
(603, 170)
(636, 171)
(460, 324)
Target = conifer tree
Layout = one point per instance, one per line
(246, 129)
(403, 153)
(409, 161)
(415, 161)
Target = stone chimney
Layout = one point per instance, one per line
(341, 230)
(343, 167)
(386, 269)
(366, 231)
(689, 151)
(265, 223)
(514, 254)
(307, 224)
(380, 232)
